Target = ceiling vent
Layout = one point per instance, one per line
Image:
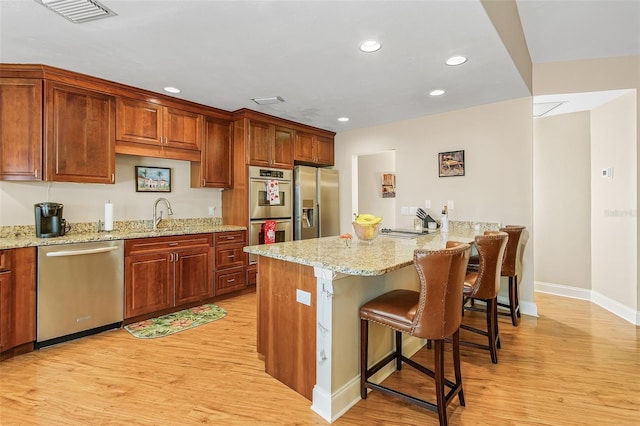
(268, 100)
(78, 11)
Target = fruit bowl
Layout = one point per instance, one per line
(367, 232)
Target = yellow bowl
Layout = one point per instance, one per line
(367, 232)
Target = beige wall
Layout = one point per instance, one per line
(497, 186)
(614, 201)
(370, 170)
(561, 200)
(597, 75)
(85, 202)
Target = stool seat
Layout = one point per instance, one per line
(396, 309)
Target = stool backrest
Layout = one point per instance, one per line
(441, 273)
(491, 248)
(512, 263)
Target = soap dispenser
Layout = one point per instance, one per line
(444, 221)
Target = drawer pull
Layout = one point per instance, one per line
(232, 280)
(231, 256)
(173, 244)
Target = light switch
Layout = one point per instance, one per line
(427, 204)
(413, 211)
(404, 211)
(450, 204)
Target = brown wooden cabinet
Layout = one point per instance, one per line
(80, 140)
(313, 149)
(153, 130)
(230, 261)
(21, 129)
(215, 168)
(165, 272)
(17, 300)
(270, 145)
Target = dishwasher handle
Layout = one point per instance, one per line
(64, 253)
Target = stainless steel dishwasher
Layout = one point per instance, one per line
(80, 290)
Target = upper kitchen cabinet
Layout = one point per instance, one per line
(270, 145)
(313, 149)
(153, 130)
(79, 134)
(215, 168)
(20, 129)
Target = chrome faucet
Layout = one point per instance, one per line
(156, 218)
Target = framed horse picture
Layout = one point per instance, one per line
(451, 163)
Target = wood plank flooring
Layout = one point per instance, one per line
(576, 364)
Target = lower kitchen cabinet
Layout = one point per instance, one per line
(17, 300)
(165, 272)
(230, 262)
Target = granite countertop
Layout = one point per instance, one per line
(379, 257)
(25, 236)
(383, 255)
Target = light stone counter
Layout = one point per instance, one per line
(25, 236)
(316, 287)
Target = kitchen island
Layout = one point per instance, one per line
(309, 294)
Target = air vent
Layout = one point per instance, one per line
(268, 100)
(540, 109)
(78, 11)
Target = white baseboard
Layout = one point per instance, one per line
(616, 308)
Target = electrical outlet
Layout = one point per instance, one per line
(212, 210)
(404, 211)
(303, 297)
(427, 204)
(450, 204)
(413, 211)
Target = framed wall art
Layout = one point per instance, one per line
(153, 179)
(451, 163)
(388, 185)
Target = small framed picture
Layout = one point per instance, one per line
(451, 163)
(388, 185)
(153, 179)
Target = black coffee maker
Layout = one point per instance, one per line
(49, 221)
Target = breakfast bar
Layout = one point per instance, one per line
(309, 294)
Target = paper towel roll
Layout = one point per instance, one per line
(108, 216)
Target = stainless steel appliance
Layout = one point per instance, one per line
(49, 221)
(261, 209)
(315, 203)
(80, 290)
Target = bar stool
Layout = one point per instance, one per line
(484, 285)
(432, 313)
(512, 268)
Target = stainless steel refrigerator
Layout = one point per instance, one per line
(315, 203)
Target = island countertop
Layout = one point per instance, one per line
(383, 255)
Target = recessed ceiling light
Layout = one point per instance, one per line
(456, 60)
(171, 89)
(369, 46)
(343, 119)
(268, 100)
(437, 92)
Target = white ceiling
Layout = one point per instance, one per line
(223, 53)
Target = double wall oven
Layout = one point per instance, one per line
(261, 208)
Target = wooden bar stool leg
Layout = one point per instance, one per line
(456, 364)
(364, 352)
(513, 299)
(438, 358)
(398, 350)
(491, 330)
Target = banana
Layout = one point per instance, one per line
(367, 219)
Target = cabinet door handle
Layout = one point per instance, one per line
(176, 258)
(170, 257)
(113, 177)
(35, 173)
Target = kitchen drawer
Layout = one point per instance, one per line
(229, 257)
(230, 280)
(164, 244)
(5, 260)
(229, 237)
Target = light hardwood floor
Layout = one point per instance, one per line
(576, 364)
